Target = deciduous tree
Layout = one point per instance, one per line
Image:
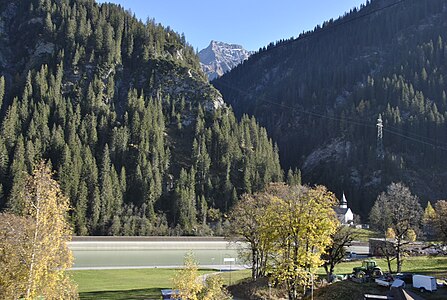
(428, 220)
(189, 286)
(215, 290)
(399, 210)
(248, 221)
(336, 251)
(441, 219)
(186, 281)
(15, 235)
(303, 221)
(34, 245)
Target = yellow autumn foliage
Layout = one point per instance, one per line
(301, 224)
(189, 286)
(34, 246)
(186, 281)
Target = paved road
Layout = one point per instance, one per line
(359, 248)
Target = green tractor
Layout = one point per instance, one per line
(369, 268)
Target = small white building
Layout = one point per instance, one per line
(343, 212)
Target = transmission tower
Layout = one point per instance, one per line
(380, 152)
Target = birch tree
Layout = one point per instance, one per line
(41, 246)
(15, 234)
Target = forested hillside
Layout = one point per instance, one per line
(320, 96)
(139, 141)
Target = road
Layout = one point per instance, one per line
(361, 248)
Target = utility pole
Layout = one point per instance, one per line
(380, 152)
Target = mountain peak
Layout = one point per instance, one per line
(220, 57)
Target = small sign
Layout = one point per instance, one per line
(229, 259)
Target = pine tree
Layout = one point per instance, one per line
(81, 210)
(18, 172)
(106, 190)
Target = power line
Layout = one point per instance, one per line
(416, 140)
(336, 24)
(426, 138)
(420, 138)
(308, 35)
(333, 118)
(304, 111)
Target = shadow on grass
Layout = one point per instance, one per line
(153, 293)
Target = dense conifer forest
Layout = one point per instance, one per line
(138, 139)
(320, 96)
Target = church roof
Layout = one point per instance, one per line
(343, 199)
(340, 211)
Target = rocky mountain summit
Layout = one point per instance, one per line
(219, 58)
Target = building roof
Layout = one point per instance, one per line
(340, 210)
(343, 199)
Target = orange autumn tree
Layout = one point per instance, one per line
(36, 259)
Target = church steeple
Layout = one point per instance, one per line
(344, 202)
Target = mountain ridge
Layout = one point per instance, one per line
(139, 140)
(219, 58)
(323, 91)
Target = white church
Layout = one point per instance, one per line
(344, 213)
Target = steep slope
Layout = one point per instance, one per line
(139, 140)
(320, 96)
(219, 58)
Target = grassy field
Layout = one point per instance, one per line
(134, 283)
(433, 266)
(363, 235)
(427, 265)
(235, 276)
(124, 284)
(147, 283)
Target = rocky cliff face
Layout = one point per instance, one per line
(109, 99)
(319, 96)
(219, 58)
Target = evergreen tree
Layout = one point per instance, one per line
(18, 172)
(2, 91)
(115, 132)
(106, 190)
(81, 210)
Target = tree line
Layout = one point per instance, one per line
(330, 85)
(140, 142)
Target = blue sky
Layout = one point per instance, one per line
(250, 23)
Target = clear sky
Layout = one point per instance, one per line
(250, 23)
